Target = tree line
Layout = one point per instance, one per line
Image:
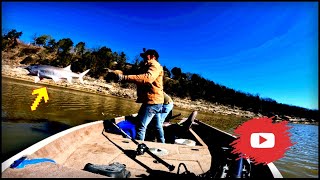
(47, 50)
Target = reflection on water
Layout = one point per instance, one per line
(65, 106)
(301, 158)
(19, 134)
(22, 127)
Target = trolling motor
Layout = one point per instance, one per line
(142, 148)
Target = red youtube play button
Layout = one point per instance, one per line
(262, 139)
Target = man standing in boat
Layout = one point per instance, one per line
(149, 92)
(166, 115)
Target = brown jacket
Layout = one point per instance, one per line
(149, 84)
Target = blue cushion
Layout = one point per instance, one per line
(128, 127)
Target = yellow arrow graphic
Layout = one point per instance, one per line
(42, 93)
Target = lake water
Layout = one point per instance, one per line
(22, 127)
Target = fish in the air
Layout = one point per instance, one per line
(55, 73)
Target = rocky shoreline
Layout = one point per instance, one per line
(100, 86)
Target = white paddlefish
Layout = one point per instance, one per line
(54, 73)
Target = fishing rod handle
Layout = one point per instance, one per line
(170, 167)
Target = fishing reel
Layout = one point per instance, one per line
(141, 149)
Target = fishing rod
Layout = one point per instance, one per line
(142, 148)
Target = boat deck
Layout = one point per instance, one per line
(93, 146)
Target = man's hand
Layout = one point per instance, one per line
(114, 75)
(119, 78)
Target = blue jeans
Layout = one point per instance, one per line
(166, 108)
(146, 113)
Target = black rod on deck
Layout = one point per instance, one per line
(146, 149)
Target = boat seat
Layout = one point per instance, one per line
(187, 123)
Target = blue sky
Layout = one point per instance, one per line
(265, 48)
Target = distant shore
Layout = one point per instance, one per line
(99, 86)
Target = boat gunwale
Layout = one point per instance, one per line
(274, 170)
(35, 147)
